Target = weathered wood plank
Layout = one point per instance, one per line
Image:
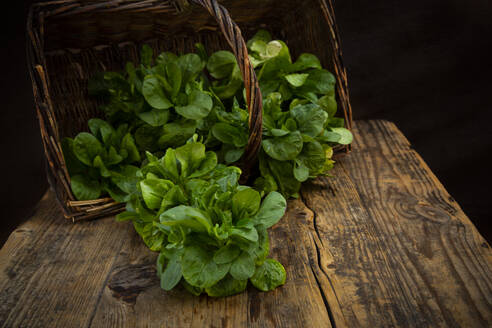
(381, 243)
(398, 247)
(52, 271)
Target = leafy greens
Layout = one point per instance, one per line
(172, 126)
(210, 231)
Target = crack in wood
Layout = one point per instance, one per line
(320, 267)
(325, 300)
(314, 215)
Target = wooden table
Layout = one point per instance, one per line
(380, 244)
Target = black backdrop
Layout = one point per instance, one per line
(424, 65)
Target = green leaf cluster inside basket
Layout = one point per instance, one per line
(174, 128)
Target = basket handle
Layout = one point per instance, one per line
(235, 39)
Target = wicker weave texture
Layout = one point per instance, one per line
(69, 41)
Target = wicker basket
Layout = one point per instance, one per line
(69, 41)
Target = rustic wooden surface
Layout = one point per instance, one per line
(380, 244)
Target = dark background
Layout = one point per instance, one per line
(424, 65)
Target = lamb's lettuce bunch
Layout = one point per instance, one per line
(210, 231)
(164, 99)
(299, 124)
(103, 161)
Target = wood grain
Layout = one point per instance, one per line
(379, 244)
(399, 248)
(52, 272)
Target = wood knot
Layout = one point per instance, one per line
(127, 282)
